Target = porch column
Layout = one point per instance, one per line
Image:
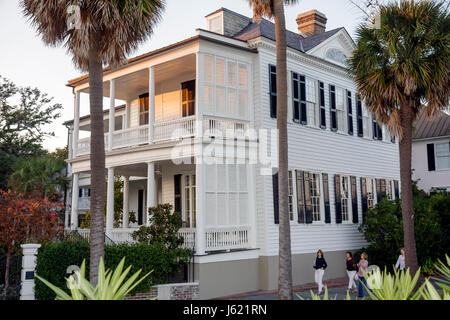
(110, 203)
(151, 189)
(200, 236)
(126, 206)
(128, 114)
(252, 200)
(199, 93)
(74, 213)
(76, 124)
(151, 105)
(112, 112)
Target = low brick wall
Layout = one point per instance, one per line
(172, 291)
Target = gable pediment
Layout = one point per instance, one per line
(336, 49)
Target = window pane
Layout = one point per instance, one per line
(243, 103)
(220, 100)
(208, 94)
(220, 71)
(232, 74)
(231, 106)
(242, 76)
(209, 68)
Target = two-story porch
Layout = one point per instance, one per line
(188, 93)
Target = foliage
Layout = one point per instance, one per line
(25, 219)
(163, 227)
(54, 258)
(39, 177)
(23, 113)
(111, 285)
(382, 228)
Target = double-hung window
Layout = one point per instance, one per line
(377, 131)
(340, 110)
(273, 90)
(442, 151)
(345, 196)
(349, 113)
(143, 109)
(323, 121)
(315, 196)
(188, 98)
(389, 190)
(370, 193)
(299, 98)
(333, 115)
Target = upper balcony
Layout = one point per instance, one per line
(191, 93)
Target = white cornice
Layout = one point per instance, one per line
(303, 57)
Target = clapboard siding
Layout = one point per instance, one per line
(319, 150)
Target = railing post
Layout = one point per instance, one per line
(151, 190)
(126, 207)
(28, 266)
(110, 203)
(74, 213)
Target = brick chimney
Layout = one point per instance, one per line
(311, 22)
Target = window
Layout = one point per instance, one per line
(189, 208)
(370, 193)
(345, 199)
(291, 196)
(442, 151)
(143, 109)
(377, 131)
(315, 196)
(333, 108)
(273, 90)
(299, 98)
(84, 192)
(340, 110)
(323, 121)
(349, 113)
(359, 117)
(389, 193)
(188, 98)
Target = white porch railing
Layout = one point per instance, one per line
(216, 126)
(228, 237)
(84, 146)
(174, 129)
(130, 137)
(188, 235)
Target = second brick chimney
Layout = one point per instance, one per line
(311, 22)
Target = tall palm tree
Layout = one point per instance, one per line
(104, 32)
(401, 66)
(275, 9)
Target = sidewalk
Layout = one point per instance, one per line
(335, 287)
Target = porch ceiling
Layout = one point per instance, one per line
(130, 86)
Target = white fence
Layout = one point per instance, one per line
(130, 137)
(175, 129)
(229, 237)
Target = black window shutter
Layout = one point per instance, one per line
(354, 199)
(80, 192)
(337, 194)
(430, 155)
(349, 113)
(323, 121)
(333, 108)
(364, 205)
(295, 97)
(359, 116)
(307, 191)
(275, 197)
(177, 192)
(300, 197)
(326, 197)
(378, 186)
(273, 90)
(396, 190)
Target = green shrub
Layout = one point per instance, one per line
(383, 229)
(54, 258)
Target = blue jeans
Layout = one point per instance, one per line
(360, 287)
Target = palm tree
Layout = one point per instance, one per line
(104, 32)
(401, 66)
(275, 9)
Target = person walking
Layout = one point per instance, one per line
(351, 272)
(400, 265)
(320, 267)
(362, 267)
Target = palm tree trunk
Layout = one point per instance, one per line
(405, 145)
(98, 183)
(285, 259)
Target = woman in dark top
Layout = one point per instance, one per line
(320, 266)
(351, 272)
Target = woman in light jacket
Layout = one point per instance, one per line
(362, 267)
(351, 272)
(320, 267)
(400, 265)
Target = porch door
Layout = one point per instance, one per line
(140, 207)
(188, 199)
(188, 98)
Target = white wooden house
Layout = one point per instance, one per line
(189, 93)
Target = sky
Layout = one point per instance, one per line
(25, 60)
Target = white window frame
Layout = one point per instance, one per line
(192, 196)
(374, 192)
(321, 221)
(341, 110)
(348, 199)
(436, 155)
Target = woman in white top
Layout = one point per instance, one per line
(400, 265)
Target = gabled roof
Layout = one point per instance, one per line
(438, 126)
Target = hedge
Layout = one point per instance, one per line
(53, 259)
